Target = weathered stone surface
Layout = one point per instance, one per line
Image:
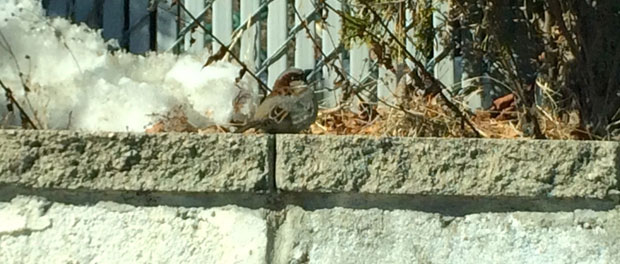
(33, 230)
(340, 235)
(134, 161)
(475, 167)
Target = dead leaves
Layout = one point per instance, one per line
(342, 122)
(173, 121)
(219, 55)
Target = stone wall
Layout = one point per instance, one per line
(68, 197)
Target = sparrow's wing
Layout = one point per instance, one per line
(273, 117)
(277, 114)
(284, 110)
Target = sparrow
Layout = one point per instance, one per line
(290, 107)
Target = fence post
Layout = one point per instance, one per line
(249, 41)
(198, 35)
(330, 41)
(60, 8)
(222, 22)
(113, 20)
(82, 9)
(304, 47)
(472, 64)
(410, 39)
(445, 69)
(139, 40)
(167, 27)
(277, 32)
(386, 81)
(359, 62)
(359, 67)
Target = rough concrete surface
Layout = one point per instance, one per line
(429, 166)
(377, 236)
(33, 230)
(134, 161)
(176, 198)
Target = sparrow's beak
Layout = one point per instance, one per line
(309, 76)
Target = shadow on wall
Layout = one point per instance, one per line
(444, 205)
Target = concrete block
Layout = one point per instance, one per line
(378, 236)
(135, 161)
(33, 230)
(430, 166)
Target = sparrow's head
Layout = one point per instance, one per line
(292, 77)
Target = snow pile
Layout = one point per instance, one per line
(77, 84)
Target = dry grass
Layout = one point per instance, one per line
(418, 116)
(427, 117)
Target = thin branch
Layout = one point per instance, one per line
(22, 113)
(20, 73)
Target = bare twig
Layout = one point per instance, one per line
(22, 113)
(19, 73)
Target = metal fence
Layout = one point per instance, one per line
(265, 33)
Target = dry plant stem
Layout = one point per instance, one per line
(20, 74)
(10, 50)
(525, 96)
(22, 113)
(556, 11)
(418, 64)
(227, 50)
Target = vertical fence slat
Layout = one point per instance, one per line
(304, 47)
(248, 38)
(222, 22)
(276, 35)
(410, 40)
(359, 62)
(113, 20)
(386, 85)
(139, 41)
(444, 69)
(166, 25)
(198, 36)
(359, 67)
(410, 36)
(386, 82)
(471, 66)
(82, 9)
(59, 8)
(330, 42)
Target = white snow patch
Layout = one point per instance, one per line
(77, 84)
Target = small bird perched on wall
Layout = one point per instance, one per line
(290, 107)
